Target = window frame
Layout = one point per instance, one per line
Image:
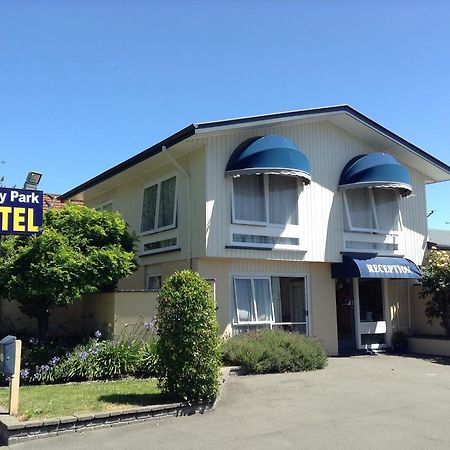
(237, 324)
(158, 183)
(254, 309)
(153, 275)
(101, 206)
(266, 193)
(376, 229)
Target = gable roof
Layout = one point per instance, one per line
(342, 115)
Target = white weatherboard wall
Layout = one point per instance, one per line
(328, 149)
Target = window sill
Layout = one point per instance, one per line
(268, 248)
(159, 230)
(159, 252)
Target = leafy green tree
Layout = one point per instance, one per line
(188, 344)
(80, 251)
(435, 284)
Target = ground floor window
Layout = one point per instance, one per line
(270, 301)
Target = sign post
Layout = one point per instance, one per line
(14, 384)
(10, 356)
(21, 212)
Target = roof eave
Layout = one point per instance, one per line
(145, 154)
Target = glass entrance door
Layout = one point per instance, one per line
(372, 321)
(345, 315)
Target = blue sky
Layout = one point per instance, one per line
(87, 84)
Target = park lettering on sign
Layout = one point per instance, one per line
(20, 211)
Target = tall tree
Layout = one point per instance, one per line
(80, 251)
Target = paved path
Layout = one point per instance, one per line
(369, 402)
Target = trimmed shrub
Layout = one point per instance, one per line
(188, 344)
(271, 351)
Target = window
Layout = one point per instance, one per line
(279, 302)
(165, 244)
(105, 207)
(265, 199)
(159, 206)
(154, 282)
(253, 299)
(372, 210)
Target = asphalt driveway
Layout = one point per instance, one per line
(366, 402)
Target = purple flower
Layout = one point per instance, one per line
(45, 368)
(95, 350)
(33, 341)
(150, 325)
(24, 374)
(98, 334)
(55, 360)
(82, 355)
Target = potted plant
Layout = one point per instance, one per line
(399, 342)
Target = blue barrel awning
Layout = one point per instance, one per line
(376, 170)
(271, 154)
(369, 266)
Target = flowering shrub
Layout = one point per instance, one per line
(94, 360)
(435, 284)
(269, 351)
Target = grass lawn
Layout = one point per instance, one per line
(67, 399)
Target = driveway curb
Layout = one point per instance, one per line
(13, 431)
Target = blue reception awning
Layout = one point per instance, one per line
(369, 266)
(271, 154)
(376, 170)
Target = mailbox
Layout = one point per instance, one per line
(8, 355)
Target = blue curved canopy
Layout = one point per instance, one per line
(370, 266)
(271, 154)
(376, 170)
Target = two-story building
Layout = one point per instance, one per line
(311, 220)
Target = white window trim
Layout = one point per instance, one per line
(233, 304)
(158, 193)
(376, 230)
(152, 275)
(287, 231)
(102, 205)
(162, 249)
(265, 223)
(358, 324)
(254, 310)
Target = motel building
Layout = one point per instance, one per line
(312, 221)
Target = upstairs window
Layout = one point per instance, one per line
(373, 210)
(159, 206)
(265, 199)
(105, 207)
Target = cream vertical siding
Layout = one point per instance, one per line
(127, 199)
(320, 291)
(414, 213)
(328, 149)
(398, 304)
(323, 307)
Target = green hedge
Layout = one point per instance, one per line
(271, 351)
(188, 344)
